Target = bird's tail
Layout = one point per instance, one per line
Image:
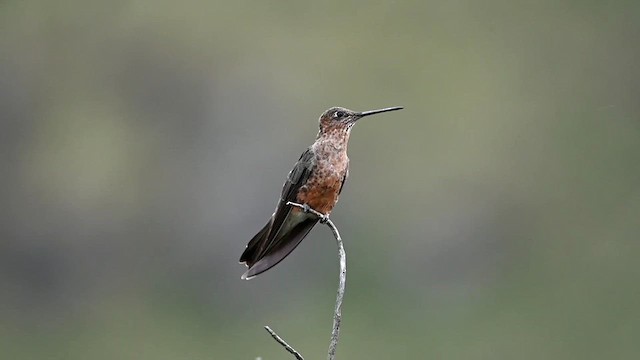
(251, 253)
(264, 259)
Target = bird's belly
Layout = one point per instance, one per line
(321, 192)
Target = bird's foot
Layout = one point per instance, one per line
(324, 218)
(306, 208)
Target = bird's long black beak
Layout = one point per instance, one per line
(373, 112)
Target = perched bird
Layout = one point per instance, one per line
(316, 181)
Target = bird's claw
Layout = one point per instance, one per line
(324, 218)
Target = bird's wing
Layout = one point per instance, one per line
(297, 177)
(249, 255)
(344, 179)
(280, 248)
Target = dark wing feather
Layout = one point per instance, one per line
(249, 254)
(344, 179)
(280, 249)
(298, 176)
(268, 244)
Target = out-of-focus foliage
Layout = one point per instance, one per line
(144, 142)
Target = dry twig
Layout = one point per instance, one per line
(337, 314)
(284, 343)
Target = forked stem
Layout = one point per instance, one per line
(337, 313)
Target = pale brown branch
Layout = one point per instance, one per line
(283, 343)
(342, 255)
(337, 314)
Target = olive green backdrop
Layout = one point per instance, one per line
(143, 143)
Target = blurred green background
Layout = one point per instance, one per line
(143, 143)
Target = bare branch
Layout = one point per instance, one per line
(337, 314)
(284, 343)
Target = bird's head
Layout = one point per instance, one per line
(339, 117)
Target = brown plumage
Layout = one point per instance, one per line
(315, 180)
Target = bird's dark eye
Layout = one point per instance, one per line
(338, 114)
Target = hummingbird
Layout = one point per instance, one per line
(315, 182)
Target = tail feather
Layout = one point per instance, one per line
(250, 254)
(259, 263)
